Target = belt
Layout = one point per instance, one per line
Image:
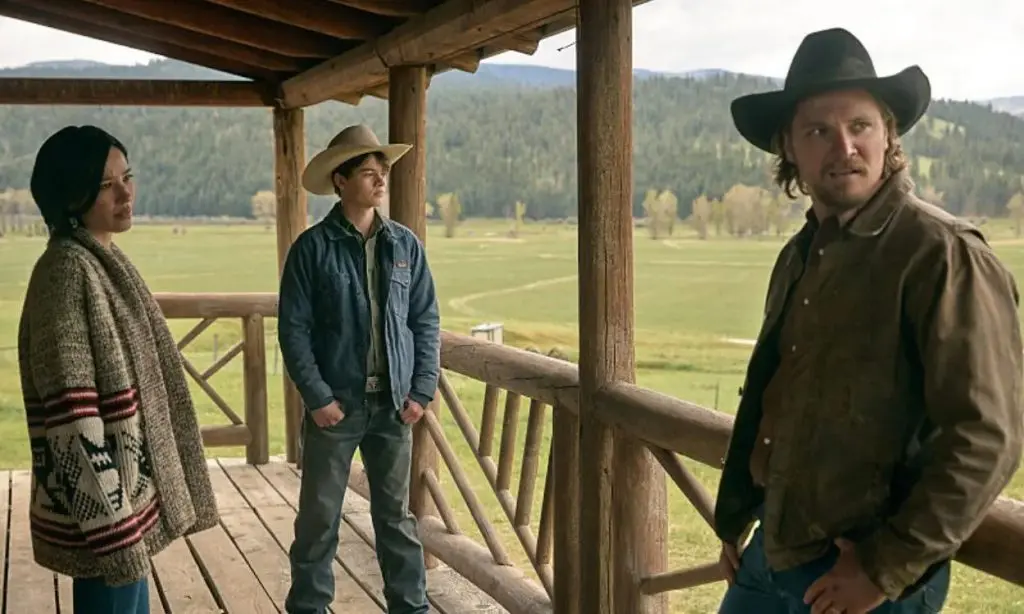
(376, 383)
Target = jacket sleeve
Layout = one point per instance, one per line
(961, 307)
(425, 323)
(295, 326)
(66, 413)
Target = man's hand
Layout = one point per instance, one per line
(729, 561)
(328, 415)
(845, 589)
(411, 412)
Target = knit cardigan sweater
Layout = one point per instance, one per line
(118, 470)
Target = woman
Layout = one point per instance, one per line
(117, 457)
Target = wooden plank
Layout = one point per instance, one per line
(134, 92)
(226, 569)
(264, 556)
(350, 595)
(65, 594)
(156, 606)
(223, 23)
(29, 586)
(336, 21)
(228, 498)
(449, 593)
(79, 18)
(182, 581)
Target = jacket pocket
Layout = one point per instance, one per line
(398, 291)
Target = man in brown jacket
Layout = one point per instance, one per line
(881, 413)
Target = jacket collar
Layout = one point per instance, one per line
(873, 217)
(339, 227)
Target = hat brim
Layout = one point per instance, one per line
(316, 178)
(759, 116)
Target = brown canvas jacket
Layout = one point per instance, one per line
(905, 423)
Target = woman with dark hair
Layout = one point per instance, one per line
(117, 457)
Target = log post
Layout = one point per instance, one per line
(254, 359)
(623, 523)
(289, 160)
(407, 123)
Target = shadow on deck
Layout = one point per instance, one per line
(239, 567)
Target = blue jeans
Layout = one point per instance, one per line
(93, 596)
(386, 446)
(759, 589)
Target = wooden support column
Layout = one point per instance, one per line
(289, 160)
(622, 492)
(407, 123)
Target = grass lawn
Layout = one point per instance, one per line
(693, 300)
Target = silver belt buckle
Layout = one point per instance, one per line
(373, 384)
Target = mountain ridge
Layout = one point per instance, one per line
(504, 134)
(489, 74)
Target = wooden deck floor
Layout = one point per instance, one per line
(239, 567)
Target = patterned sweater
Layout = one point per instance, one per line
(117, 456)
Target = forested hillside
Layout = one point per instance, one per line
(497, 140)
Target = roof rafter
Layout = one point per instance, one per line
(242, 28)
(136, 41)
(317, 16)
(142, 28)
(450, 29)
(392, 8)
(136, 92)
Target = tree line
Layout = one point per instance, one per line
(509, 150)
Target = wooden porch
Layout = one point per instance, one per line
(574, 457)
(240, 566)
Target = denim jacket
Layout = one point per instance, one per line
(324, 315)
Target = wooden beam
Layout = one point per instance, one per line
(623, 516)
(316, 16)
(292, 215)
(135, 92)
(449, 29)
(407, 123)
(467, 62)
(157, 45)
(223, 23)
(391, 8)
(143, 32)
(381, 91)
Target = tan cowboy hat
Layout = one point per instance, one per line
(351, 142)
(830, 60)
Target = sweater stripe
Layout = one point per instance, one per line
(106, 540)
(77, 404)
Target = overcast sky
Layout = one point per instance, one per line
(959, 43)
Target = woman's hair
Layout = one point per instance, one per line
(787, 176)
(68, 172)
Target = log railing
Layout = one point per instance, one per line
(251, 430)
(669, 427)
(533, 476)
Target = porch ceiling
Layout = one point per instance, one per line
(311, 50)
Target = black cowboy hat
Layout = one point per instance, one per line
(830, 60)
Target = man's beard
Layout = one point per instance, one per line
(832, 197)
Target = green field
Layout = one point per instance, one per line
(695, 302)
